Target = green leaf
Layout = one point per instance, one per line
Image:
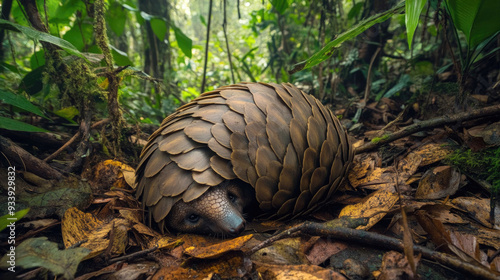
(40, 252)
(120, 58)
(354, 12)
(159, 27)
(41, 36)
(11, 124)
(5, 220)
(477, 19)
(184, 42)
(412, 15)
(32, 82)
(20, 101)
(280, 5)
(68, 113)
(203, 21)
(116, 18)
(328, 50)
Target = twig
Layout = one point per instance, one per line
(224, 28)
(73, 139)
(206, 48)
(32, 163)
(376, 239)
(436, 122)
(133, 255)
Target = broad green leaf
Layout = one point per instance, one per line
(32, 82)
(40, 252)
(68, 113)
(41, 36)
(328, 50)
(11, 124)
(183, 41)
(159, 27)
(120, 58)
(477, 19)
(19, 101)
(412, 15)
(280, 5)
(37, 59)
(5, 220)
(354, 12)
(116, 18)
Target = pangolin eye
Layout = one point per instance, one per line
(231, 196)
(193, 218)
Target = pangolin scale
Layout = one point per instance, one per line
(281, 141)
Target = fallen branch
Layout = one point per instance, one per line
(436, 122)
(31, 163)
(73, 139)
(331, 229)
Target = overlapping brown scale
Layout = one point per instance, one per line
(172, 181)
(194, 191)
(145, 154)
(196, 160)
(264, 157)
(211, 113)
(212, 100)
(151, 195)
(302, 202)
(199, 131)
(314, 133)
(309, 161)
(222, 167)
(278, 132)
(220, 150)
(337, 165)
(289, 180)
(283, 94)
(162, 208)
(221, 134)
(176, 143)
(234, 121)
(237, 99)
(298, 137)
(207, 177)
(265, 189)
(176, 125)
(318, 179)
(159, 159)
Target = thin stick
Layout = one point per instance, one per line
(436, 122)
(206, 48)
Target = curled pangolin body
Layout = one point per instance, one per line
(281, 144)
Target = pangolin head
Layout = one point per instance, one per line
(270, 144)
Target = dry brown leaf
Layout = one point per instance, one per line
(395, 266)
(285, 251)
(232, 265)
(217, 249)
(296, 272)
(479, 208)
(379, 203)
(432, 153)
(438, 182)
(323, 249)
(77, 226)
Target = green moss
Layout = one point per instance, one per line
(378, 139)
(484, 164)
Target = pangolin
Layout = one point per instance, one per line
(269, 147)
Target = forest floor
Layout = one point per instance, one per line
(417, 205)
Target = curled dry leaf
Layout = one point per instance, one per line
(285, 251)
(286, 272)
(439, 182)
(375, 207)
(78, 226)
